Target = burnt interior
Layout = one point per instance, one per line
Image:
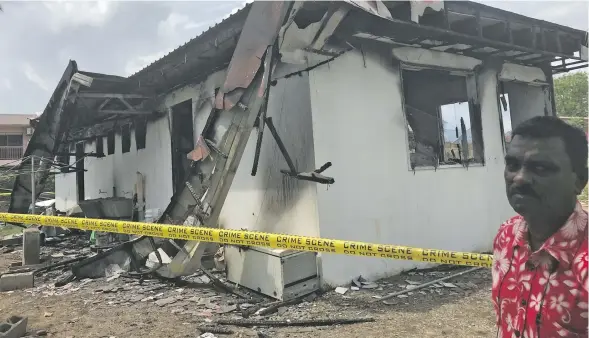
(442, 119)
(182, 137)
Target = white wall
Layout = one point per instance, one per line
(359, 125)
(271, 201)
(65, 190)
(119, 170)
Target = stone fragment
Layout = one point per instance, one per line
(166, 301)
(17, 281)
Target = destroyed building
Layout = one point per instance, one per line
(382, 121)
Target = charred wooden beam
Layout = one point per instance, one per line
(87, 95)
(280, 144)
(98, 129)
(82, 154)
(360, 24)
(124, 112)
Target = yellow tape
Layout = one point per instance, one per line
(251, 238)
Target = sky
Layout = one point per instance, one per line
(38, 39)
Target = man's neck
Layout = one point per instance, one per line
(542, 228)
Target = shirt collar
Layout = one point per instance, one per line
(563, 245)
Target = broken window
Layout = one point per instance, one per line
(125, 138)
(140, 133)
(518, 102)
(99, 146)
(63, 159)
(110, 142)
(443, 118)
(505, 118)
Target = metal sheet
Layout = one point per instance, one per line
(263, 23)
(373, 7)
(44, 143)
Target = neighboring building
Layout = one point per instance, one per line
(15, 132)
(358, 84)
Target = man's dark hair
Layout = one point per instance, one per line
(575, 139)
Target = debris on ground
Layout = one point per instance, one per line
(206, 299)
(279, 323)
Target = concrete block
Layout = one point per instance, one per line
(17, 281)
(14, 327)
(10, 241)
(31, 247)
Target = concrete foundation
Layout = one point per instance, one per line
(31, 247)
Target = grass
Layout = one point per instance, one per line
(583, 196)
(6, 230)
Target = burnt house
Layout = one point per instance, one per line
(379, 121)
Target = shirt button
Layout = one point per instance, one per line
(516, 333)
(524, 303)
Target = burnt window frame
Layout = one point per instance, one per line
(64, 159)
(110, 142)
(99, 146)
(475, 115)
(125, 138)
(502, 92)
(140, 127)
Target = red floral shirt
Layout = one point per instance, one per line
(541, 294)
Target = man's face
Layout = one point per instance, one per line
(539, 178)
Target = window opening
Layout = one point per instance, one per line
(140, 133)
(443, 118)
(99, 146)
(110, 142)
(518, 102)
(126, 138)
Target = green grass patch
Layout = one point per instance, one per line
(6, 230)
(583, 196)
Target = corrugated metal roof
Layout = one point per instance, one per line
(181, 48)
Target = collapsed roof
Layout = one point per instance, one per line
(85, 105)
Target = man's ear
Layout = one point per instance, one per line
(581, 181)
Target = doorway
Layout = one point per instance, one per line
(80, 170)
(182, 137)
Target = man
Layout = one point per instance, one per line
(540, 256)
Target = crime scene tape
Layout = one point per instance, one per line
(261, 239)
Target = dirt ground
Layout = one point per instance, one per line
(85, 309)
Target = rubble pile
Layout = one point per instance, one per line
(208, 300)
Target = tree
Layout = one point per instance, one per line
(570, 92)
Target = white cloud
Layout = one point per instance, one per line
(174, 30)
(234, 10)
(175, 21)
(72, 14)
(32, 75)
(136, 64)
(5, 84)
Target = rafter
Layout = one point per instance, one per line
(111, 96)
